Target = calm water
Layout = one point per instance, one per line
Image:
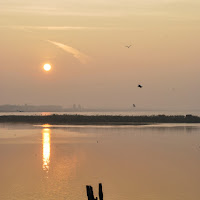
(133, 112)
(160, 162)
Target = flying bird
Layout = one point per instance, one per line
(128, 46)
(134, 105)
(140, 86)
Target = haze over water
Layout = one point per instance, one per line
(151, 162)
(84, 42)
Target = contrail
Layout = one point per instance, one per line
(76, 53)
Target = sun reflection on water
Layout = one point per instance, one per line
(46, 141)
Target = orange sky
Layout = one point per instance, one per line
(84, 41)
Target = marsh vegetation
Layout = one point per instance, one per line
(100, 119)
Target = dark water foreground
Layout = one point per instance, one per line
(101, 119)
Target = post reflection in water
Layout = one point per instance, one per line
(46, 141)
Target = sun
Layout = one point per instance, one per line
(47, 67)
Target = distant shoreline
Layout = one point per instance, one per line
(99, 119)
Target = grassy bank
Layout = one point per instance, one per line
(99, 119)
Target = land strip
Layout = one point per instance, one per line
(99, 119)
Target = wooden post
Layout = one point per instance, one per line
(100, 192)
(90, 193)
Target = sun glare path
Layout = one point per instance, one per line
(47, 67)
(46, 148)
(46, 125)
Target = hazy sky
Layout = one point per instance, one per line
(84, 41)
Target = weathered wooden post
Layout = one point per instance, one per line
(100, 192)
(90, 193)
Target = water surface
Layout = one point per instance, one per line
(154, 162)
(133, 112)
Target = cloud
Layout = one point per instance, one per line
(83, 58)
(57, 12)
(55, 28)
(66, 28)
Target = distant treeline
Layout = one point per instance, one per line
(100, 119)
(30, 108)
(53, 108)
